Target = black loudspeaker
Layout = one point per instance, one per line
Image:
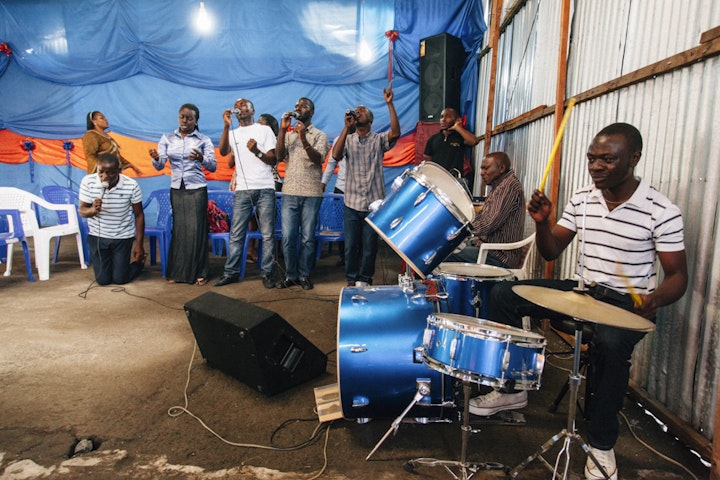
(441, 62)
(252, 344)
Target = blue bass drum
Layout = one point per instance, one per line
(485, 352)
(425, 216)
(379, 355)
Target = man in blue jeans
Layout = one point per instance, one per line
(253, 148)
(306, 147)
(625, 223)
(364, 183)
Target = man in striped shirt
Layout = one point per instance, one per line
(624, 224)
(502, 219)
(112, 203)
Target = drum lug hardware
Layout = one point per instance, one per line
(453, 348)
(358, 349)
(430, 259)
(427, 337)
(454, 235)
(421, 197)
(358, 299)
(375, 205)
(395, 223)
(506, 359)
(418, 354)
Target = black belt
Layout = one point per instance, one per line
(603, 293)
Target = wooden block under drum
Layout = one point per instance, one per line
(327, 401)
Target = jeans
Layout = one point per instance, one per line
(299, 216)
(361, 246)
(262, 201)
(611, 350)
(111, 260)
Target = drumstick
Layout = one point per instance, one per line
(631, 289)
(558, 137)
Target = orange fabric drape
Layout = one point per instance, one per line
(51, 152)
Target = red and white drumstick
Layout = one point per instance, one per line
(558, 138)
(392, 35)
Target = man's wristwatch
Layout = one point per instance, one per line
(259, 154)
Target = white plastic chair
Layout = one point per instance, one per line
(27, 203)
(528, 243)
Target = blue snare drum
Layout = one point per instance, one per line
(485, 352)
(468, 286)
(425, 216)
(379, 355)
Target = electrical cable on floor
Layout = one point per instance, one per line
(664, 457)
(125, 291)
(177, 410)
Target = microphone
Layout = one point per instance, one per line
(103, 186)
(235, 111)
(291, 114)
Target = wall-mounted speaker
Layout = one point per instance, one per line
(441, 61)
(252, 344)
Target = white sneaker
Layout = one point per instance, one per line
(606, 458)
(362, 284)
(493, 402)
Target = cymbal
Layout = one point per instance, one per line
(583, 307)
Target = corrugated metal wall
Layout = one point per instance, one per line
(679, 116)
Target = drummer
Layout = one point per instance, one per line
(626, 224)
(502, 218)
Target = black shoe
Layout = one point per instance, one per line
(268, 282)
(288, 282)
(306, 284)
(226, 280)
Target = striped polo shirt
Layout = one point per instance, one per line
(620, 245)
(116, 219)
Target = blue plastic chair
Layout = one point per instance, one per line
(15, 234)
(159, 232)
(224, 200)
(331, 224)
(66, 196)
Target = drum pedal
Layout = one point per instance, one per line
(506, 417)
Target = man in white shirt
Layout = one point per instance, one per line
(253, 148)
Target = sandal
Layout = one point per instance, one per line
(171, 281)
(201, 281)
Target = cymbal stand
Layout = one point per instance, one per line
(568, 434)
(463, 464)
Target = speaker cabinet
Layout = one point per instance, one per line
(252, 344)
(441, 62)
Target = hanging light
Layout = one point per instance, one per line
(365, 53)
(204, 22)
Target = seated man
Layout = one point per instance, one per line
(625, 223)
(112, 203)
(502, 218)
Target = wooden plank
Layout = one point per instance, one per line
(709, 35)
(684, 431)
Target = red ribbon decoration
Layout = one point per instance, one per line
(392, 35)
(5, 48)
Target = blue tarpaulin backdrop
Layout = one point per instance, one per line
(138, 61)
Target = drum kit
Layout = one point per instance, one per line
(400, 347)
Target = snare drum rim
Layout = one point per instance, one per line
(448, 273)
(489, 329)
(443, 197)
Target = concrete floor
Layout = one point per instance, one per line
(108, 363)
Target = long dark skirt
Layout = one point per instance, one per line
(188, 258)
